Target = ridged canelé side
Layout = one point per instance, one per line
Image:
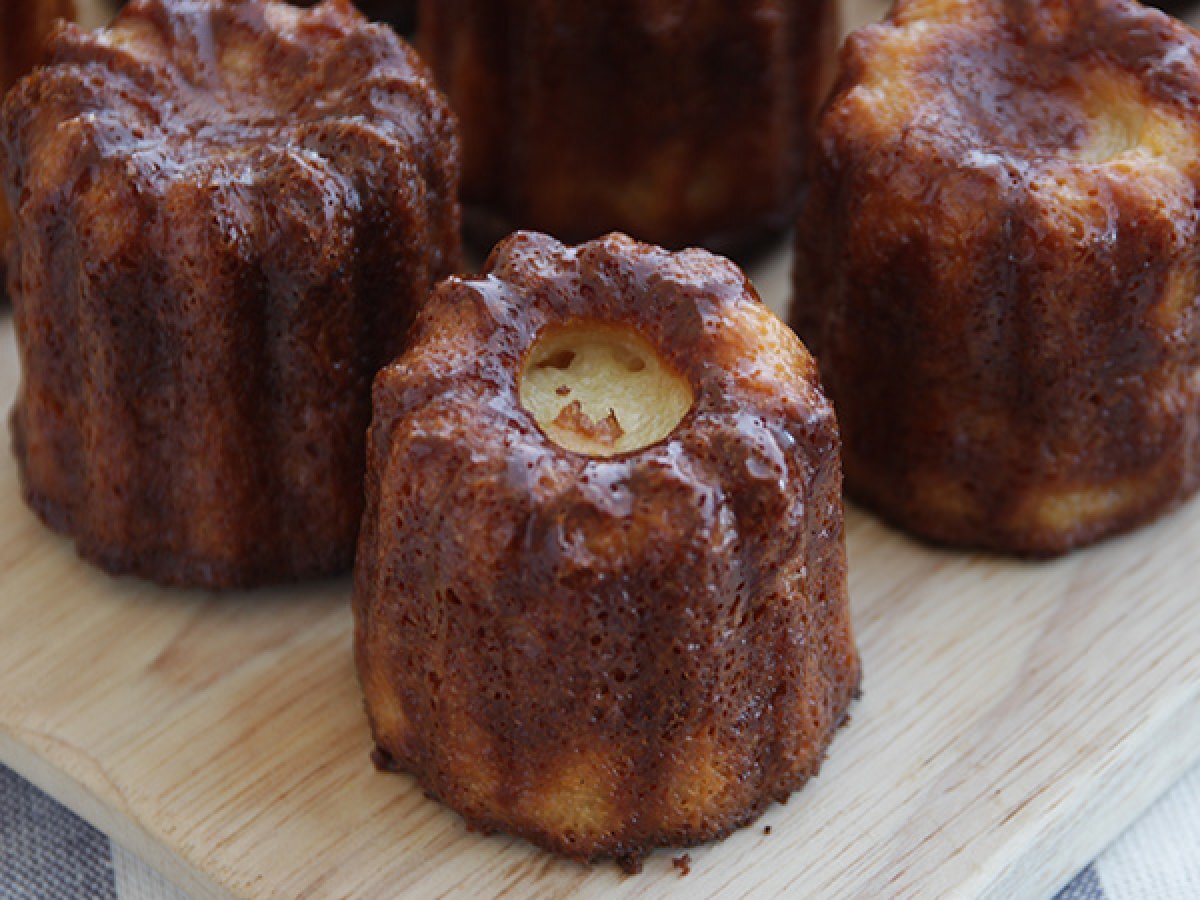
(229, 211)
(996, 268)
(603, 655)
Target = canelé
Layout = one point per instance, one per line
(681, 123)
(996, 268)
(229, 212)
(600, 594)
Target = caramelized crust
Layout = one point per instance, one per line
(229, 211)
(603, 654)
(679, 122)
(24, 27)
(996, 267)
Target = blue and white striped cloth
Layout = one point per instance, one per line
(46, 853)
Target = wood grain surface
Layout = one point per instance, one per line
(1015, 718)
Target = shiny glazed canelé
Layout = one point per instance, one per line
(996, 268)
(229, 211)
(610, 650)
(680, 123)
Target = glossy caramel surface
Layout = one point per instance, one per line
(228, 213)
(603, 654)
(996, 268)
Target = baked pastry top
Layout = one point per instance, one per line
(996, 268)
(229, 212)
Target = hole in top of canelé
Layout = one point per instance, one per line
(602, 389)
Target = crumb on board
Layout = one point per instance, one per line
(630, 864)
(683, 864)
(766, 829)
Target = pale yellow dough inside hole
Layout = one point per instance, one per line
(1123, 120)
(602, 389)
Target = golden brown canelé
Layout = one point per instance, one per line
(681, 123)
(229, 212)
(609, 651)
(996, 268)
(24, 27)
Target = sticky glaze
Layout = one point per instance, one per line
(603, 655)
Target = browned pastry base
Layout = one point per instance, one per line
(603, 633)
(682, 124)
(220, 242)
(996, 269)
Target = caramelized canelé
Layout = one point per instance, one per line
(229, 211)
(600, 595)
(996, 267)
(680, 123)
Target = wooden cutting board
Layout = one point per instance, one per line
(1015, 718)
